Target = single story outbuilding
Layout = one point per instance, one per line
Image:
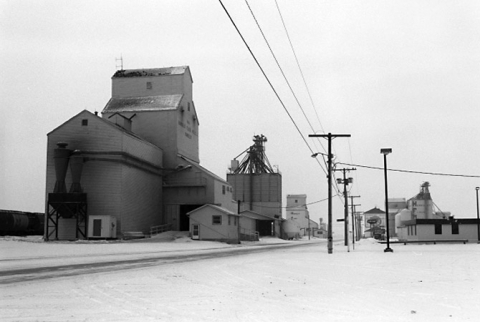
(212, 222)
(439, 229)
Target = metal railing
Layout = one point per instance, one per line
(155, 230)
(250, 235)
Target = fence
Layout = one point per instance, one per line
(154, 230)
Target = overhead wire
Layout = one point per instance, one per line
(268, 80)
(283, 73)
(299, 67)
(412, 171)
(340, 194)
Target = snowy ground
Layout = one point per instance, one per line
(415, 283)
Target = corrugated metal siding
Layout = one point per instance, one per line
(266, 187)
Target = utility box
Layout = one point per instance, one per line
(102, 227)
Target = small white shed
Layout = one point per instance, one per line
(212, 222)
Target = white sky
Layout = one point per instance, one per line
(400, 74)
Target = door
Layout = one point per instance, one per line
(97, 228)
(195, 231)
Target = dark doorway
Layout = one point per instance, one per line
(97, 227)
(264, 227)
(184, 220)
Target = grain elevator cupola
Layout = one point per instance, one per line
(255, 161)
(256, 184)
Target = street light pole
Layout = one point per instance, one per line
(478, 217)
(329, 136)
(385, 152)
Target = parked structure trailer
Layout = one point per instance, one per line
(439, 229)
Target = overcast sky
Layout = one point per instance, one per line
(399, 74)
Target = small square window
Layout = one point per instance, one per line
(85, 122)
(149, 85)
(216, 220)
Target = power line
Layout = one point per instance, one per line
(411, 171)
(268, 80)
(307, 204)
(281, 70)
(299, 68)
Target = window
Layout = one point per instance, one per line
(229, 220)
(455, 230)
(216, 220)
(438, 229)
(234, 221)
(85, 122)
(149, 85)
(223, 189)
(188, 104)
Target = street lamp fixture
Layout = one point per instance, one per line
(385, 152)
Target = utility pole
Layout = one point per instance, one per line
(345, 182)
(353, 217)
(239, 232)
(354, 225)
(329, 137)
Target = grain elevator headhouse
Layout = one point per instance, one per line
(141, 166)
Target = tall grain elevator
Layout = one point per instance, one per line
(256, 184)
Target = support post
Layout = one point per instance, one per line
(329, 137)
(385, 152)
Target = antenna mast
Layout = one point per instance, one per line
(121, 62)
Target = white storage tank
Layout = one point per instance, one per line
(102, 227)
(291, 229)
(401, 217)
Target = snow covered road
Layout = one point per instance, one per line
(415, 283)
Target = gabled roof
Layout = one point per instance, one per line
(107, 123)
(145, 103)
(149, 72)
(204, 170)
(374, 211)
(221, 209)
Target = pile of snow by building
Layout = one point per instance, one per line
(305, 283)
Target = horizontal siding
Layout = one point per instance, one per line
(137, 86)
(138, 148)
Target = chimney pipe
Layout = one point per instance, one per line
(60, 157)
(76, 166)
